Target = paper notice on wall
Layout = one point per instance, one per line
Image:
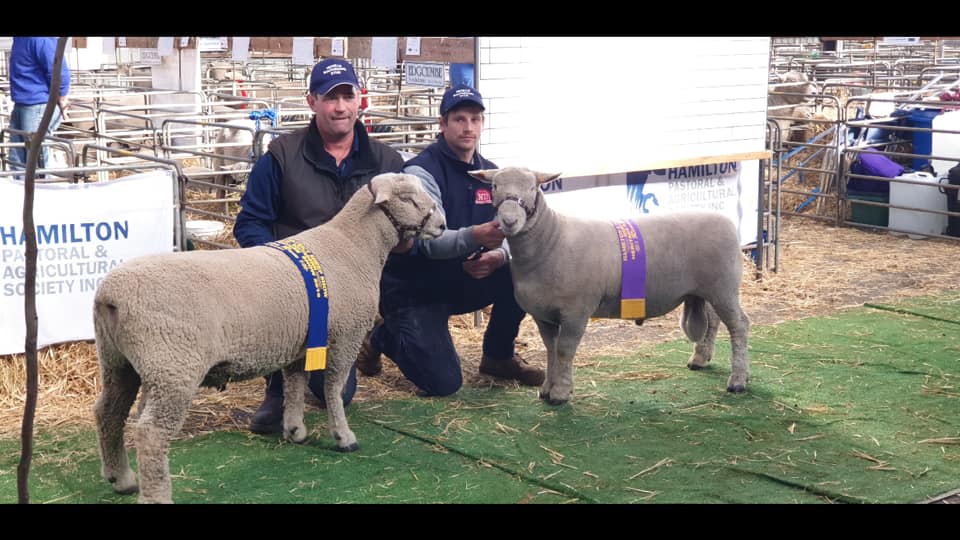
(165, 46)
(303, 51)
(413, 46)
(336, 46)
(109, 47)
(383, 52)
(241, 49)
(184, 42)
(121, 42)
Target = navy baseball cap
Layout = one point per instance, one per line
(330, 73)
(459, 94)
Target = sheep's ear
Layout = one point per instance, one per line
(382, 195)
(484, 175)
(543, 178)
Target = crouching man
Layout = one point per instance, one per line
(464, 270)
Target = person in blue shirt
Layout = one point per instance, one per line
(31, 73)
(465, 269)
(302, 181)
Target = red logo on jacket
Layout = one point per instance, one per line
(483, 197)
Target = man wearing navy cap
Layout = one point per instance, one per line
(304, 179)
(464, 270)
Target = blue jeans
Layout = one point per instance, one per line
(27, 118)
(416, 336)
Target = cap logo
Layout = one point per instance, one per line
(334, 69)
(462, 93)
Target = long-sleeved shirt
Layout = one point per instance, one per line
(31, 70)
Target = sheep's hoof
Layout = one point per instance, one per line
(127, 490)
(126, 484)
(552, 401)
(351, 448)
(737, 388)
(296, 435)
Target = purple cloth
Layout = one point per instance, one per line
(873, 164)
(633, 286)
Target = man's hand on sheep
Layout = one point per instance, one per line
(403, 246)
(488, 234)
(485, 264)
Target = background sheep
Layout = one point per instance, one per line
(566, 270)
(156, 328)
(793, 95)
(236, 142)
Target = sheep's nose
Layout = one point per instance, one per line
(509, 222)
(443, 227)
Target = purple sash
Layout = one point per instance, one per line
(633, 289)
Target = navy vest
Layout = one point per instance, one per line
(312, 192)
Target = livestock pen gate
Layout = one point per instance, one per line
(636, 125)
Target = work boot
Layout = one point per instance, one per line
(368, 359)
(269, 417)
(515, 368)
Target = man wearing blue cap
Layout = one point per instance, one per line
(464, 270)
(303, 180)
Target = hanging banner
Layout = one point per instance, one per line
(729, 188)
(83, 232)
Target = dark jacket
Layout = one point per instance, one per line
(296, 185)
(466, 201)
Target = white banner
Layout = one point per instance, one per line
(83, 231)
(726, 188)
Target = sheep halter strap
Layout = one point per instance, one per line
(633, 287)
(399, 226)
(319, 300)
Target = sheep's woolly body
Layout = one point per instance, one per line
(175, 321)
(567, 269)
(558, 249)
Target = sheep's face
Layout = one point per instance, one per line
(410, 208)
(515, 191)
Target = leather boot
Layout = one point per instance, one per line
(269, 416)
(368, 359)
(515, 368)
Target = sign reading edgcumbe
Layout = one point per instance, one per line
(83, 232)
(425, 74)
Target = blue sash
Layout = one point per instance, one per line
(319, 300)
(633, 288)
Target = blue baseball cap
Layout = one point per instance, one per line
(330, 73)
(459, 94)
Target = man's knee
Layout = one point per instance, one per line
(442, 386)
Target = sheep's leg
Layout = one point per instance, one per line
(561, 386)
(549, 333)
(738, 324)
(160, 421)
(333, 383)
(294, 386)
(119, 390)
(703, 350)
